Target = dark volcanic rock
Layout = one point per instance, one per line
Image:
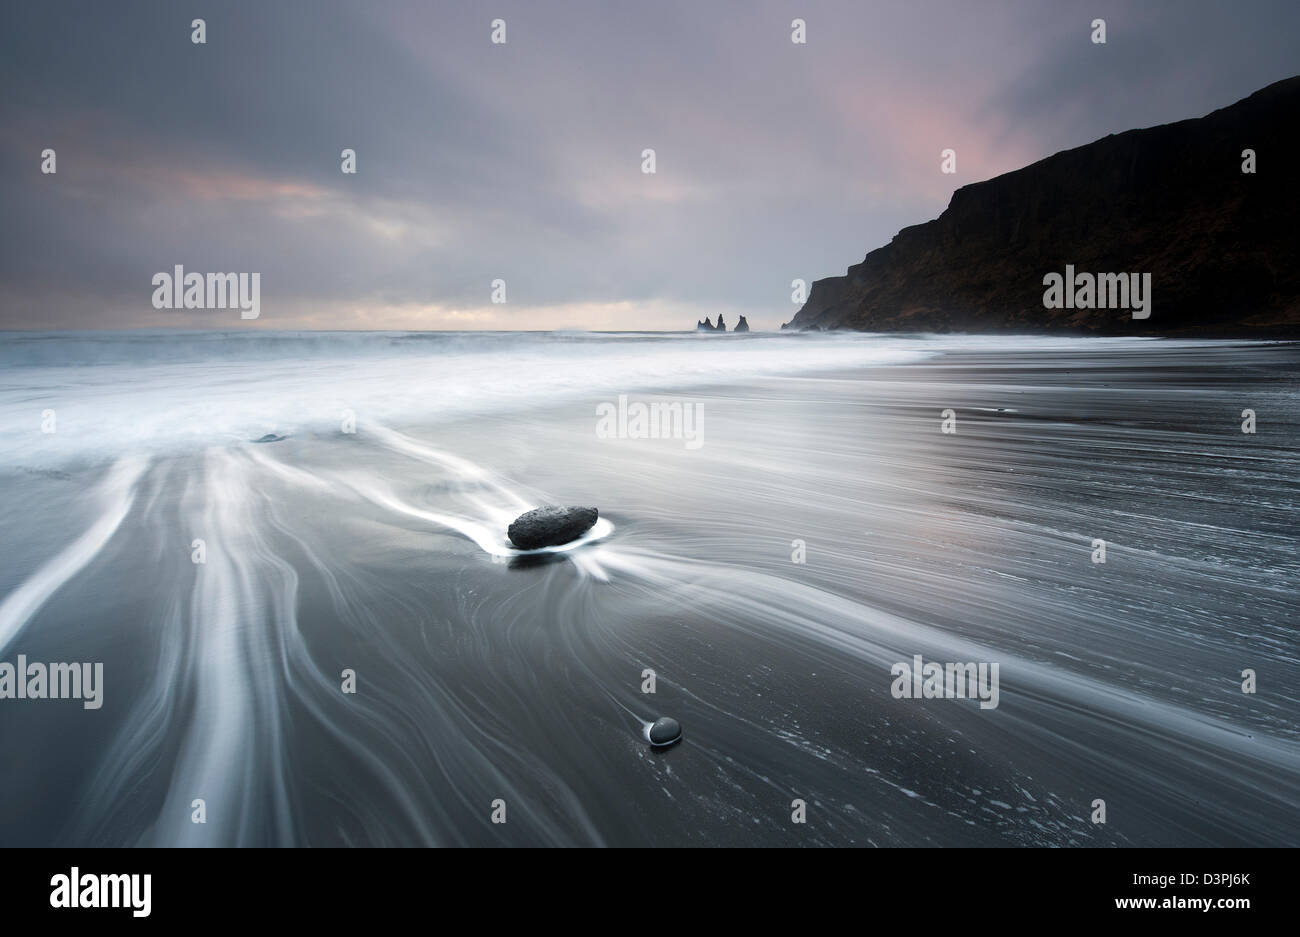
(741, 326)
(664, 732)
(705, 326)
(722, 326)
(270, 437)
(1220, 245)
(550, 526)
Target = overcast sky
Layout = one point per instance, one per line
(522, 161)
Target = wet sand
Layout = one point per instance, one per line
(483, 677)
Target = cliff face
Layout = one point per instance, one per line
(1222, 246)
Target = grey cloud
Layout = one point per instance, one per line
(522, 162)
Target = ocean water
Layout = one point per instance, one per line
(819, 530)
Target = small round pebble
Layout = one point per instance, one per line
(664, 732)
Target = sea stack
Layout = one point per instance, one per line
(722, 326)
(741, 326)
(551, 526)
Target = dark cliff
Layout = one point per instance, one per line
(1222, 246)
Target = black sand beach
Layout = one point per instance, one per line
(483, 676)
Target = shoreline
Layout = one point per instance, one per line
(825, 530)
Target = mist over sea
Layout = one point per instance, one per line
(483, 675)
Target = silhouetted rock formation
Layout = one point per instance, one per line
(722, 326)
(741, 326)
(705, 326)
(1221, 245)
